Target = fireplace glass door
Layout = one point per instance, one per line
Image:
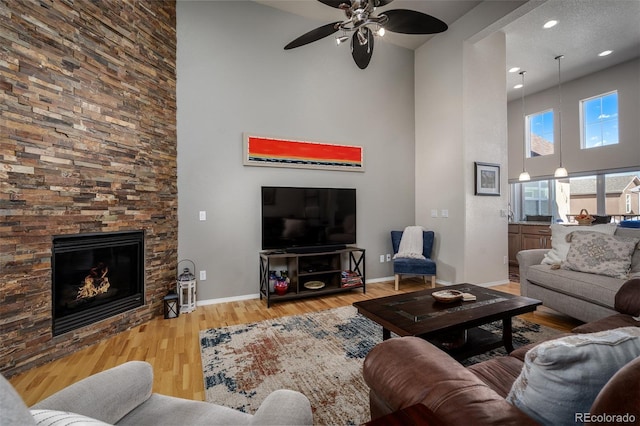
(96, 276)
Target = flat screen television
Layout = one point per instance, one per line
(308, 219)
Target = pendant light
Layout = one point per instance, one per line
(560, 171)
(524, 176)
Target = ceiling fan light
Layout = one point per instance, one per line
(380, 32)
(341, 39)
(561, 172)
(524, 176)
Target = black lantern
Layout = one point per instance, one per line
(171, 305)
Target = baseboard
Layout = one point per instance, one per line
(489, 284)
(492, 283)
(379, 280)
(227, 299)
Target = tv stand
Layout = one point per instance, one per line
(314, 249)
(326, 266)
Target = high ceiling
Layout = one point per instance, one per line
(585, 28)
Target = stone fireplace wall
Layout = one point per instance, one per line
(87, 144)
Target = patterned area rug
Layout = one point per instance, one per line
(319, 354)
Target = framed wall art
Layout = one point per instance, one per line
(487, 177)
(275, 152)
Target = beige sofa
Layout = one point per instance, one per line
(123, 395)
(585, 296)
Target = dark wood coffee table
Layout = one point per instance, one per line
(451, 326)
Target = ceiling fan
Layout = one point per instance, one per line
(364, 24)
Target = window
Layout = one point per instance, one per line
(599, 120)
(613, 194)
(582, 193)
(540, 134)
(536, 198)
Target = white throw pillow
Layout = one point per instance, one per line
(562, 377)
(63, 418)
(559, 244)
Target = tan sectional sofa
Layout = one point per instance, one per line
(585, 296)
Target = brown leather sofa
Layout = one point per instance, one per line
(405, 371)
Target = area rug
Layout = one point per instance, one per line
(319, 354)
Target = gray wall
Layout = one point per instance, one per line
(625, 78)
(461, 118)
(235, 77)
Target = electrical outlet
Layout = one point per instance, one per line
(203, 275)
(505, 260)
(382, 258)
(445, 213)
(203, 215)
(388, 257)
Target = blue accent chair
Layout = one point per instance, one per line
(403, 266)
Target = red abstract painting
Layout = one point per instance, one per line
(264, 151)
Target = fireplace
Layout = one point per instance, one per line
(95, 276)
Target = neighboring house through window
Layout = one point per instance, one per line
(539, 134)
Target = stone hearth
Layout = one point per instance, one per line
(87, 146)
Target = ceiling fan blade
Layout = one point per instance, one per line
(412, 22)
(336, 3)
(313, 35)
(362, 52)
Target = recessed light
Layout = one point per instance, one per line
(550, 24)
(514, 69)
(605, 53)
(518, 86)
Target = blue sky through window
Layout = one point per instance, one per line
(600, 118)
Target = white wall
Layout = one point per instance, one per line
(460, 118)
(625, 78)
(234, 76)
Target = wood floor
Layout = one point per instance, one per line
(172, 346)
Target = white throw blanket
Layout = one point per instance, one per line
(411, 243)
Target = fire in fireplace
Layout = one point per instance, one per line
(95, 283)
(96, 276)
